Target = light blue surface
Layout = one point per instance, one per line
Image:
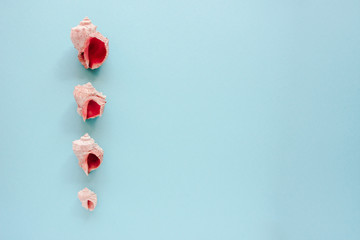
(225, 120)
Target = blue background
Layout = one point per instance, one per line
(224, 120)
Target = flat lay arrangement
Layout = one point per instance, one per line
(93, 49)
(180, 120)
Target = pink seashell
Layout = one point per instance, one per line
(88, 199)
(81, 32)
(95, 51)
(90, 102)
(89, 153)
(92, 46)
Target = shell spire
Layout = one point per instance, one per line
(81, 33)
(85, 21)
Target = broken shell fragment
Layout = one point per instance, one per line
(88, 199)
(89, 153)
(90, 102)
(92, 46)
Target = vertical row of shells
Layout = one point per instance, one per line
(93, 49)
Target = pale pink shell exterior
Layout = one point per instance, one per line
(83, 94)
(88, 199)
(83, 55)
(81, 36)
(81, 32)
(85, 146)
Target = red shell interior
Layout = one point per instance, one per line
(93, 109)
(90, 205)
(93, 162)
(96, 51)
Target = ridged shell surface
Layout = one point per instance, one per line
(89, 153)
(90, 102)
(81, 32)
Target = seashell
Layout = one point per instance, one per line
(93, 48)
(90, 102)
(81, 32)
(88, 199)
(89, 153)
(95, 51)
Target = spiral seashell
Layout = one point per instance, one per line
(93, 48)
(89, 153)
(88, 199)
(90, 102)
(81, 32)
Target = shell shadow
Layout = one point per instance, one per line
(90, 123)
(72, 173)
(89, 126)
(68, 67)
(73, 122)
(80, 211)
(87, 74)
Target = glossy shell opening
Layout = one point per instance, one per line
(90, 205)
(93, 109)
(96, 52)
(93, 162)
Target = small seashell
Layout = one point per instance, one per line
(93, 48)
(81, 32)
(89, 153)
(90, 102)
(95, 51)
(88, 199)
